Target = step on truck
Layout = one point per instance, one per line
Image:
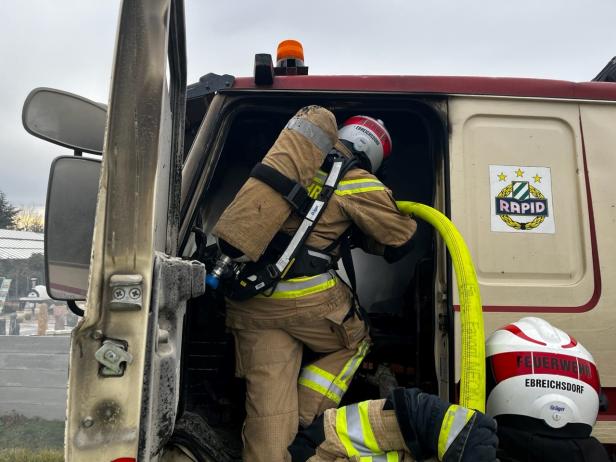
(525, 169)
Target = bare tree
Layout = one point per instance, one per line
(30, 219)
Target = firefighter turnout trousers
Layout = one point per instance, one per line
(280, 394)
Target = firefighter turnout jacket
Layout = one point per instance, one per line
(361, 200)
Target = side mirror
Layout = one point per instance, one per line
(69, 225)
(65, 119)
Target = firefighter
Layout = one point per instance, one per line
(543, 392)
(317, 311)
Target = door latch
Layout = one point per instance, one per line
(113, 357)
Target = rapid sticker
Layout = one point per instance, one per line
(521, 199)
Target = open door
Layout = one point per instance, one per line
(124, 363)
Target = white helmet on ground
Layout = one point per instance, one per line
(368, 136)
(537, 371)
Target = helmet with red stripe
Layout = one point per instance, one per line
(540, 379)
(368, 138)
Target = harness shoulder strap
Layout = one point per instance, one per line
(266, 277)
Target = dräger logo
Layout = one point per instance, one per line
(554, 407)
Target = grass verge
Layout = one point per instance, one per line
(29, 455)
(30, 440)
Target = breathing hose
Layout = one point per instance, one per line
(473, 370)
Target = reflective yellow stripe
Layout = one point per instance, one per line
(348, 192)
(323, 382)
(454, 421)
(343, 432)
(346, 187)
(359, 180)
(356, 435)
(366, 428)
(359, 185)
(352, 364)
(314, 386)
(302, 286)
(330, 386)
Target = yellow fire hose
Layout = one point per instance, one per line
(473, 374)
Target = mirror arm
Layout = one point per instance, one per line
(77, 153)
(74, 308)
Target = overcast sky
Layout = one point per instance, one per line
(68, 44)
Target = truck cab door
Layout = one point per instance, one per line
(521, 197)
(125, 354)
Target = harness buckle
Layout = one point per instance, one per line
(298, 198)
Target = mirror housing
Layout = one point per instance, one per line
(65, 119)
(69, 225)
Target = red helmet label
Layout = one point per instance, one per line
(373, 129)
(519, 363)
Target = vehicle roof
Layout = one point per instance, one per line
(493, 86)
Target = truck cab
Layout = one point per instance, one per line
(523, 167)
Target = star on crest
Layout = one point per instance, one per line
(537, 178)
(519, 172)
(502, 177)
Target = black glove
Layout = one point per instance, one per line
(481, 441)
(307, 441)
(432, 427)
(393, 254)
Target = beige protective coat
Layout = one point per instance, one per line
(257, 213)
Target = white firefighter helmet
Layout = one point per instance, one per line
(536, 370)
(368, 136)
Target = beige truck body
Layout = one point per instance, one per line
(561, 266)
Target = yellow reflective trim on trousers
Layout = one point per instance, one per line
(456, 417)
(393, 456)
(330, 378)
(302, 286)
(352, 364)
(319, 389)
(322, 382)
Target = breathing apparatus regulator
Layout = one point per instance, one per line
(288, 256)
